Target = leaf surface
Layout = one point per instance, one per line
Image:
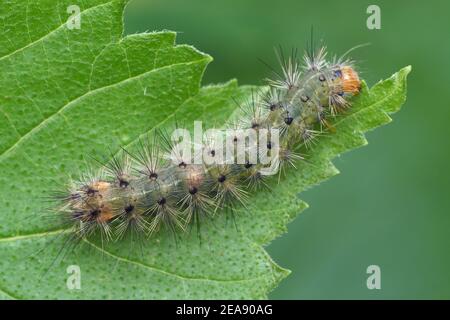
(66, 94)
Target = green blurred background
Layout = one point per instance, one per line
(390, 206)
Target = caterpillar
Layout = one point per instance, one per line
(158, 186)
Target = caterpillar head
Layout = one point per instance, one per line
(350, 82)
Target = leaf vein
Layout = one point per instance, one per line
(47, 34)
(178, 276)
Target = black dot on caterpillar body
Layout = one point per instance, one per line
(95, 213)
(128, 209)
(123, 183)
(91, 192)
(288, 120)
(222, 178)
(162, 201)
(193, 190)
(153, 176)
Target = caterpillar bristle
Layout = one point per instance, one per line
(155, 185)
(256, 180)
(291, 72)
(315, 60)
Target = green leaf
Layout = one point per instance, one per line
(66, 94)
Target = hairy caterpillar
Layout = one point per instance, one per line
(156, 186)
